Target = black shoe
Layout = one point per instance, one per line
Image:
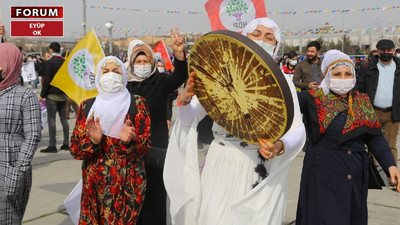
(64, 147)
(50, 149)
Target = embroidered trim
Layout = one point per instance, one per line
(337, 61)
(360, 111)
(261, 170)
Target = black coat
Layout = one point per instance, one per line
(155, 90)
(334, 180)
(51, 67)
(367, 82)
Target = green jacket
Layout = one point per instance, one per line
(302, 74)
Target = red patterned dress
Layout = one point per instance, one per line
(113, 172)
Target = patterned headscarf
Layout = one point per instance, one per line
(11, 61)
(134, 53)
(266, 22)
(359, 109)
(333, 59)
(111, 108)
(132, 44)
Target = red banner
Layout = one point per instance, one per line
(161, 51)
(234, 15)
(37, 28)
(35, 12)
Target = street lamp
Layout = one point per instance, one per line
(109, 25)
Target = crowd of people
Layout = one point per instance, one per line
(134, 157)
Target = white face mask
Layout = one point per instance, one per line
(111, 82)
(293, 62)
(142, 71)
(341, 86)
(161, 69)
(267, 47)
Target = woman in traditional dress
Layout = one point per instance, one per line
(145, 80)
(20, 133)
(111, 136)
(234, 187)
(334, 181)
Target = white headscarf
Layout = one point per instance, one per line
(266, 22)
(111, 108)
(332, 59)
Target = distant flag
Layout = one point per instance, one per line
(76, 77)
(28, 71)
(234, 15)
(160, 51)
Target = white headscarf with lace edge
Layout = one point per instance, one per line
(333, 59)
(266, 22)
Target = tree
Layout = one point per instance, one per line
(344, 44)
(289, 48)
(333, 45)
(321, 41)
(237, 8)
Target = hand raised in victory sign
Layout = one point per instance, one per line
(177, 44)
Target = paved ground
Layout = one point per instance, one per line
(56, 174)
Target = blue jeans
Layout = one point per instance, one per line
(52, 108)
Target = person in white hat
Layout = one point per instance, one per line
(234, 187)
(334, 180)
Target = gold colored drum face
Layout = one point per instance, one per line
(241, 87)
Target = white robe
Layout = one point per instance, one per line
(188, 191)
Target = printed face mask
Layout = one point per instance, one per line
(161, 69)
(142, 71)
(111, 82)
(267, 47)
(341, 86)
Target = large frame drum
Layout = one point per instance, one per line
(241, 87)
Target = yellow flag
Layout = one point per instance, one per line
(76, 76)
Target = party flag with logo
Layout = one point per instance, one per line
(160, 51)
(234, 15)
(76, 77)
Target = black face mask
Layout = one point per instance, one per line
(385, 57)
(1, 76)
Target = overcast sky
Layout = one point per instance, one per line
(199, 23)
